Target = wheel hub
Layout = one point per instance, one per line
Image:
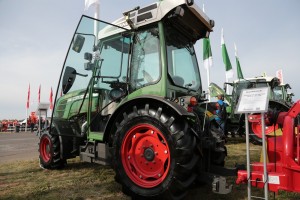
(149, 154)
(145, 155)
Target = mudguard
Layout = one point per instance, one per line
(142, 100)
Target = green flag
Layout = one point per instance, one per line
(238, 66)
(207, 55)
(226, 60)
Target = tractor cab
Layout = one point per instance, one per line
(149, 51)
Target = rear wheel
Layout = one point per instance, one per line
(154, 154)
(49, 149)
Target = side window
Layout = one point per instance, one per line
(114, 55)
(145, 61)
(182, 67)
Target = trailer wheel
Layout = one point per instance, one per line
(154, 154)
(49, 149)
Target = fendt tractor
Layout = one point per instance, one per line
(128, 97)
(279, 101)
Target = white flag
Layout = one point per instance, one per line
(226, 60)
(88, 3)
(279, 75)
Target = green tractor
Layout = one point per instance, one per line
(279, 100)
(128, 97)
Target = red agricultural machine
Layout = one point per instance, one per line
(283, 153)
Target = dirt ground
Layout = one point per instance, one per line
(18, 146)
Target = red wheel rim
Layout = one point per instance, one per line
(256, 128)
(145, 156)
(45, 148)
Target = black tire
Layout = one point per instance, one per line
(171, 133)
(49, 152)
(253, 138)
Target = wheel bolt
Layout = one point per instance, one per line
(166, 151)
(128, 157)
(159, 175)
(141, 176)
(152, 132)
(134, 136)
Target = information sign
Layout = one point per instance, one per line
(253, 101)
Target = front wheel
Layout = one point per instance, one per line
(49, 149)
(154, 154)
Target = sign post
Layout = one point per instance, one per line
(254, 101)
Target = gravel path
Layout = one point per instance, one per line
(18, 146)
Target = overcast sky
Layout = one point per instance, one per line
(35, 36)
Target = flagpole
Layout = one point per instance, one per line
(226, 61)
(26, 120)
(208, 82)
(96, 24)
(207, 69)
(27, 105)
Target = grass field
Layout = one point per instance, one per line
(79, 181)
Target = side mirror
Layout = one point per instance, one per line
(68, 79)
(287, 86)
(78, 43)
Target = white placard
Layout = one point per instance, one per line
(253, 100)
(274, 179)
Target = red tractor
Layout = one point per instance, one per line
(283, 154)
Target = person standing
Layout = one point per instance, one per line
(221, 114)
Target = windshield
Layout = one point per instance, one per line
(182, 63)
(239, 86)
(278, 94)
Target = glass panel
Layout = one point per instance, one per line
(81, 65)
(145, 63)
(278, 94)
(182, 63)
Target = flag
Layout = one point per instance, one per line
(51, 99)
(28, 97)
(207, 55)
(88, 3)
(226, 60)
(279, 75)
(238, 66)
(39, 96)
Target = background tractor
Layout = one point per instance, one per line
(128, 97)
(279, 101)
